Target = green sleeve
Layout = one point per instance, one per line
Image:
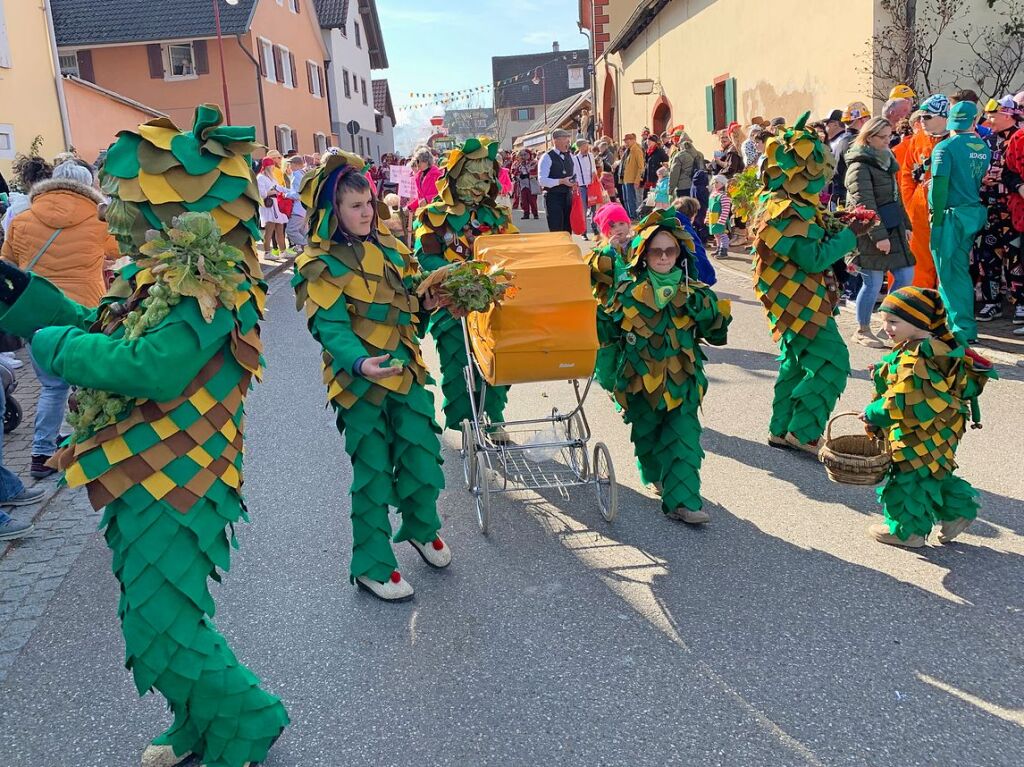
(815, 256)
(42, 305)
(333, 329)
(938, 197)
(158, 365)
(878, 415)
(431, 262)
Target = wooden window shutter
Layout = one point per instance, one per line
(730, 100)
(291, 63)
(155, 55)
(277, 138)
(202, 52)
(278, 64)
(323, 85)
(309, 75)
(709, 98)
(295, 140)
(263, 58)
(85, 69)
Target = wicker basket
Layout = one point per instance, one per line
(854, 459)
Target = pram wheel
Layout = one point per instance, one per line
(12, 415)
(577, 453)
(468, 454)
(482, 493)
(604, 482)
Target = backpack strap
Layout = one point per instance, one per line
(42, 250)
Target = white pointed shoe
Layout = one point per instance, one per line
(395, 589)
(952, 528)
(436, 553)
(161, 756)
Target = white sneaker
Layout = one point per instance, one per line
(8, 359)
(436, 553)
(1019, 331)
(395, 589)
(1018, 314)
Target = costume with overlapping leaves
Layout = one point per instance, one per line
(166, 459)
(359, 300)
(444, 232)
(607, 269)
(659, 381)
(792, 254)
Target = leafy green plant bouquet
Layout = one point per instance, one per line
(470, 286)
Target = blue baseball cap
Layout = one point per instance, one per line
(962, 116)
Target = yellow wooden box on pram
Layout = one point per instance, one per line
(548, 330)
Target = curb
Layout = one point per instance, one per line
(1001, 357)
(48, 499)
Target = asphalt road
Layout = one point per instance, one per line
(777, 635)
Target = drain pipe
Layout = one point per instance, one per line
(259, 88)
(62, 104)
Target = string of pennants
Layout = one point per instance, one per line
(449, 97)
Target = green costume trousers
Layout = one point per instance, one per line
(451, 349)
(667, 446)
(812, 376)
(163, 560)
(951, 245)
(914, 502)
(396, 461)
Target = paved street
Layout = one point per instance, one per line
(777, 635)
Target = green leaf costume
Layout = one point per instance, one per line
(792, 258)
(444, 231)
(658, 321)
(359, 300)
(607, 269)
(169, 470)
(926, 390)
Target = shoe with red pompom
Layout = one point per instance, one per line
(436, 553)
(811, 447)
(394, 589)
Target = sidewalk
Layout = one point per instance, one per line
(17, 453)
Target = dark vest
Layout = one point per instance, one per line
(561, 167)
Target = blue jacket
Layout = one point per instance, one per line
(705, 271)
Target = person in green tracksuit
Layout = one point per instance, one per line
(959, 164)
(354, 281)
(444, 232)
(793, 251)
(926, 389)
(162, 457)
(608, 268)
(659, 314)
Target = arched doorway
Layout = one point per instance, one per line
(661, 117)
(608, 111)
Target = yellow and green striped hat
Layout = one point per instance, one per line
(921, 307)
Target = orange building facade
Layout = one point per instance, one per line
(273, 58)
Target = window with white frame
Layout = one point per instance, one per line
(69, 64)
(293, 6)
(359, 34)
(364, 92)
(313, 72)
(344, 80)
(320, 143)
(284, 139)
(267, 57)
(5, 45)
(179, 61)
(7, 151)
(287, 65)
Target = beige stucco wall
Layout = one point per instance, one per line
(693, 42)
(96, 118)
(28, 93)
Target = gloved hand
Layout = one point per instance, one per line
(13, 282)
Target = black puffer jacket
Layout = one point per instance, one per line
(871, 182)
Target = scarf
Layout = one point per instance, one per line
(665, 285)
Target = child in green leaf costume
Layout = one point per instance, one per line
(792, 254)
(927, 388)
(608, 268)
(164, 365)
(444, 233)
(659, 315)
(355, 283)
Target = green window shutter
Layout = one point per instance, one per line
(730, 100)
(709, 96)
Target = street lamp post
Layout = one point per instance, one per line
(220, 48)
(541, 80)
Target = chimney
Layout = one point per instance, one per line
(554, 46)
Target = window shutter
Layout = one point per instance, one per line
(709, 98)
(278, 64)
(295, 140)
(291, 63)
(155, 55)
(85, 70)
(277, 138)
(298, 6)
(323, 85)
(263, 58)
(730, 100)
(199, 47)
(309, 75)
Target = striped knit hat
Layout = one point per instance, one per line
(922, 308)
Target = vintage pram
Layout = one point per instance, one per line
(547, 332)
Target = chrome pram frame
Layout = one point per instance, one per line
(493, 461)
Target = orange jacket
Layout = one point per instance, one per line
(917, 152)
(74, 261)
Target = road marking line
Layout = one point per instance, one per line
(1011, 715)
